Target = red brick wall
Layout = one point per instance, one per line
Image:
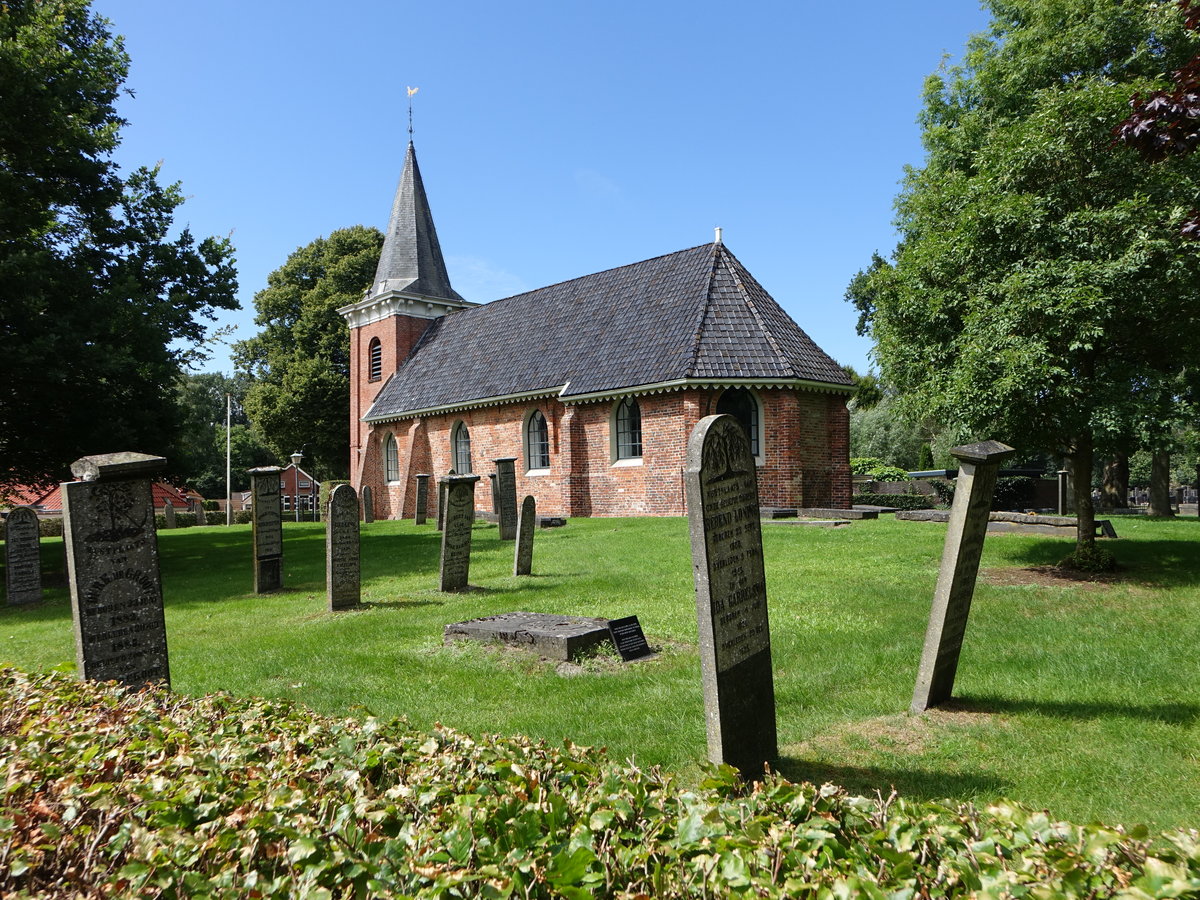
(804, 454)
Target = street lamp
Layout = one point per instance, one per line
(296, 457)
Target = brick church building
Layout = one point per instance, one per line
(593, 384)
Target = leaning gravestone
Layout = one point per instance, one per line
(456, 535)
(368, 504)
(422, 499)
(112, 565)
(22, 557)
(342, 582)
(731, 596)
(169, 515)
(506, 483)
(267, 519)
(526, 522)
(973, 490)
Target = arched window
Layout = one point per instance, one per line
(743, 406)
(460, 448)
(537, 442)
(391, 459)
(629, 429)
(375, 360)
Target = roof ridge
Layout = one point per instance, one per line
(739, 270)
(704, 308)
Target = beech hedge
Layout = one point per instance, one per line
(111, 792)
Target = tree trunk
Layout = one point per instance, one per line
(1081, 473)
(1116, 482)
(1160, 484)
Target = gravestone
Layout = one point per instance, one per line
(422, 499)
(526, 521)
(506, 481)
(169, 515)
(1064, 492)
(495, 495)
(441, 504)
(112, 567)
(22, 558)
(628, 638)
(547, 635)
(368, 505)
(267, 520)
(731, 596)
(973, 490)
(342, 583)
(459, 511)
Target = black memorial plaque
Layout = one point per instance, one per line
(628, 638)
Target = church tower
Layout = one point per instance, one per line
(411, 289)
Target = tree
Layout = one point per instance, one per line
(1038, 283)
(300, 362)
(201, 458)
(103, 303)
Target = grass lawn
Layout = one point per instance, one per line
(1079, 697)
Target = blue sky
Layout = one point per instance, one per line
(556, 139)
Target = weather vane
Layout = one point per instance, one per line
(411, 91)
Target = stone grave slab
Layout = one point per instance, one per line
(816, 513)
(422, 504)
(368, 505)
(554, 637)
(523, 555)
(458, 514)
(778, 512)
(811, 523)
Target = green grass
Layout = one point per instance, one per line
(1080, 698)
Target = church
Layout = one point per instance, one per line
(593, 385)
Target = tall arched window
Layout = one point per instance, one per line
(743, 406)
(375, 360)
(391, 459)
(460, 448)
(537, 442)
(629, 429)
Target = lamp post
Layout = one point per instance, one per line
(296, 457)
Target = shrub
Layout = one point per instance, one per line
(877, 469)
(326, 491)
(1091, 559)
(210, 505)
(896, 501)
(112, 792)
(1016, 492)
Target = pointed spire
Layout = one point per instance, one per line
(411, 261)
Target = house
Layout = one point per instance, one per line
(298, 491)
(593, 385)
(48, 501)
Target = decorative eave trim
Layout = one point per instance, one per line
(378, 307)
(636, 390)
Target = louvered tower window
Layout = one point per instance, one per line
(375, 358)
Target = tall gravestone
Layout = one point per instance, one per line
(441, 501)
(112, 566)
(506, 483)
(526, 523)
(343, 584)
(731, 596)
(422, 499)
(978, 465)
(169, 515)
(456, 535)
(495, 494)
(22, 556)
(267, 521)
(368, 504)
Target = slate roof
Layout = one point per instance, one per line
(411, 260)
(696, 314)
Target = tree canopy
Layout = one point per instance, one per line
(103, 300)
(300, 361)
(1040, 286)
(201, 460)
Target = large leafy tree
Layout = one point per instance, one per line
(300, 361)
(1039, 282)
(202, 403)
(103, 301)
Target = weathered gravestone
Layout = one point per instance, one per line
(368, 504)
(459, 511)
(169, 515)
(506, 482)
(979, 464)
(22, 558)
(342, 583)
(495, 495)
(422, 499)
(112, 566)
(267, 521)
(731, 596)
(441, 504)
(526, 522)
